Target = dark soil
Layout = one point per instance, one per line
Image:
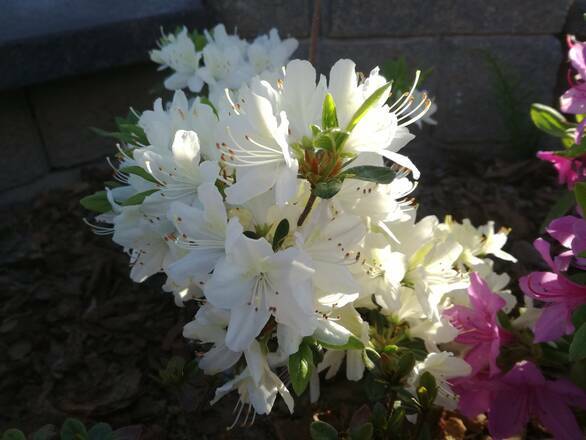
(79, 339)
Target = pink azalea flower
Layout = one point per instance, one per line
(574, 100)
(570, 170)
(474, 393)
(570, 231)
(561, 295)
(524, 392)
(478, 325)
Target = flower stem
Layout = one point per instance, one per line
(314, 31)
(306, 210)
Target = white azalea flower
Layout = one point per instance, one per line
(443, 366)
(161, 124)
(257, 386)
(178, 172)
(253, 282)
(178, 53)
(202, 232)
(269, 52)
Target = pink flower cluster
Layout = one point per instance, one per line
(573, 101)
(511, 398)
(560, 295)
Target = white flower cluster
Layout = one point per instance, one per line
(221, 61)
(276, 210)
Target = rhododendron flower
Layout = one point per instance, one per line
(574, 100)
(479, 327)
(561, 295)
(524, 392)
(570, 170)
(570, 231)
(254, 282)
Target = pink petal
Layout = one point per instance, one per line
(556, 415)
(577, 56)
(562, 229)
(554, 322)
(574, 100)
(509, 412)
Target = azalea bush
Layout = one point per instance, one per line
(279, 201)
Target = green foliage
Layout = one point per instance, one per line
(97, 202)
(578, 346)
(328, 189)
(563, 204)
(128, 131)
(280, 234)
(329, 117)
(73, 429)
(177, 372)
(13, 434)
(138, 198)
(549, 120)
(300, 367)
(580, 194)
(373, 99)
(511, 92)
(323, 431)
(370, 173)
(398, 71)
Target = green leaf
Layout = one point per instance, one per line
(327, 190)
(549, 120)
(45, 432)
(504, 321)
(138, 198)
(427, 390)
(379, 417)
(73, 429)
(329, 117)
(138, 171)
(97, 202)
(300, 368)
(280, 234)
(406, 364)
(396, 421)
(579, 316)
(573, 150)
(564, 203)
(363, 432)
(578, 278)
(370, 173)
(13, 434)
(366, 105)
(580, 194)
(578, 346)
(353, 343)
(323, 431)
(101, 431)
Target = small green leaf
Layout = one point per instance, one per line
(578, 278)
(280, 234)
(549, 120)
(329, 117)
(323, 431)
(580, 194)
(504, 321)
(565, 201)
(427, 390)
(371, 173)
(300, 368)
(379, 417)
(579, 316)
(101, 431)
(353, 343)
(97, 202)
(138, 171)
(396, 421)
(13, 434)
(406, 364)
(366, 105)
(327, 190)
(46, 432)
(573, 150)
(138, 198)
(363, 432)
(73, 429)
(578, 346)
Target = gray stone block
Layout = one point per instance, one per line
(253, 17)
(49, 39)
(420, 53)
(360, 18)
(23, 156)
(67, 109)
(575, 23)
(468, 109)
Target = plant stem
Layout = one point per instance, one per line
(306, 210)
(314, 31)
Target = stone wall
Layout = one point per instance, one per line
(44, 128)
